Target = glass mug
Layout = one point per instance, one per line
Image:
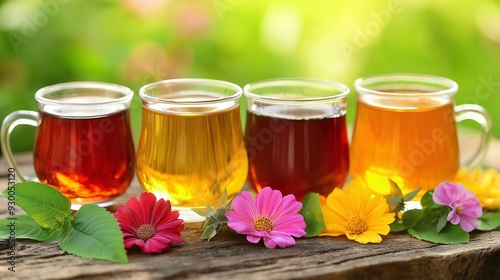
(405, 130)
(83, 143)
(191, 146)
(296, 135)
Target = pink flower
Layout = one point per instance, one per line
(149, 224)
(465, 207)
(270, 216)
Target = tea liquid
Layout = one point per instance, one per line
(88, 160)
(190, 158)
(412, 141)
(297, 150)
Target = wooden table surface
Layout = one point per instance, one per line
(231, 257)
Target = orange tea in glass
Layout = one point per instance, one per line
(83, 144)
(406, 131)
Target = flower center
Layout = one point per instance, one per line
(263, 224)
(458, 209)
(145, 232)
(356, 224)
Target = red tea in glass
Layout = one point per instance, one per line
(299, 155)
(87, 159)
(296, 136)
(83, 144)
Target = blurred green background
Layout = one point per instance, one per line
(135, 42)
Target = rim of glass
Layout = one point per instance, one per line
(40, 94)
(451, 87)
(342, 89)
(194, 82)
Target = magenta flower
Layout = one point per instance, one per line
(149, 224)
(270, 216)
(465, 207)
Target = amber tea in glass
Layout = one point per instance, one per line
(191, 146)
(405, 130)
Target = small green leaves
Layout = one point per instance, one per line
(91, 233)
(216, 219)
(45, 205)
(411, 195)
(430, 223)
(311, 211)
(396, 200)
(94, 234)
(409, 219)
(214, 224)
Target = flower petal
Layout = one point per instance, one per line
(281, 240)
(357, 201)
(147, 202)
(146, 210)
(155, 245)
(368, 237)
(447, 193)
(253, 238)
(244, 205)
(453, 217)
(468, 223)
(238, 224)
(267, 202)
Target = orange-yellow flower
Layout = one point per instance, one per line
(485, 184)
(357, 213)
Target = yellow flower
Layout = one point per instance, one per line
(358, 213)
(485, 184)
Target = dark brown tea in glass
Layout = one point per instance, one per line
(296, 136)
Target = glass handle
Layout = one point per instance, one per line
(9, 123)
(481, 116)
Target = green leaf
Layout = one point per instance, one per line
(442, 221)
(44, 204)
(215, 217)
(489, 221)
(311, 211)
(411, 217)
(94, 233)
(411, 195)
(222, 200)
(394, 189)
(398, 208)
(397, 226)
(209, 232)
(204, 212)
(220, 214)
(395, 196)
(393, 200)
(25, 228)
(450, 234)
(426, 200)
